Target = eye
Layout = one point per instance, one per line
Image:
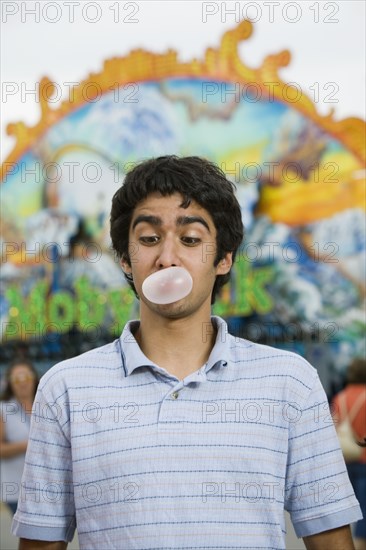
(149, 239)
(191, 241)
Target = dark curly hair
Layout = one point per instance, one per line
(196, 179)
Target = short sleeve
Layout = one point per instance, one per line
(46, 508)
(318, 493)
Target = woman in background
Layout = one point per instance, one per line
(21, 381)
(354, 395)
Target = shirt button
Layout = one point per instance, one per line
(175, 395)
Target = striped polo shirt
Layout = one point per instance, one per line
(135, 458)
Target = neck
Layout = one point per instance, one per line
(180, 346)
(26, 403)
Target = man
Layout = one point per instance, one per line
(178, 435)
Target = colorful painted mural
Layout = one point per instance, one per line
(299, 278)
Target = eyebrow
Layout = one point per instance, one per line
(181, 221)
(186, 220)
(152, 220)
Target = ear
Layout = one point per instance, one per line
(225, 264)
(125, 265)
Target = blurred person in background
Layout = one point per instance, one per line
(21, 381)
(352, 402)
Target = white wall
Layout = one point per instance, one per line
(326, 40)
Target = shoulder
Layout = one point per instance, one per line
(269, 358)
(355, 389)
(249, 359)
(276, 366)
(96, 364)
(350, 393)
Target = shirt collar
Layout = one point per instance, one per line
(134, 358)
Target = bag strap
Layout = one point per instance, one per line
(351, 415)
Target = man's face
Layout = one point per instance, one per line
(163, 234)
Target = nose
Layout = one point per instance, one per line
(168, 254)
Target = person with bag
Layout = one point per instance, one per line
(349, 408)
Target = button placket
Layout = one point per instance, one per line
(170, 417)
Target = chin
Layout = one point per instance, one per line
(174, 309)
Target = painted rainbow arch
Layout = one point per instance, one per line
(300, 180)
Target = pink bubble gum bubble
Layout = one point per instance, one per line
(168, 285)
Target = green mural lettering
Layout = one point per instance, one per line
(120, 302)
(61, 311)
(251, 296)
(27, 316)
(248, 288)
(90, 304)
(41, 312)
